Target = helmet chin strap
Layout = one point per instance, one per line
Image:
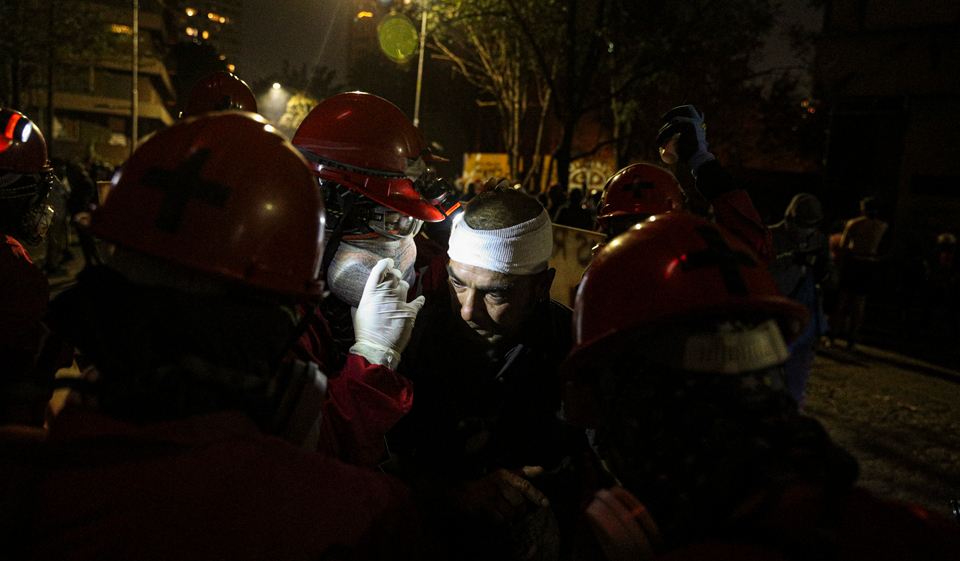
(348, 203)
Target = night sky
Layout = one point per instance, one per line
(311, 31)
(301, 31)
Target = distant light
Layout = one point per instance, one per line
(206, 34)
(212, 15)
(362, 15)
(276, 85)
(223, 19)
(811, 110)
(398, 37)
(223, 57)
(804, 103)
(191, 12)
(231, 67)
(192, 31)
(124, 29)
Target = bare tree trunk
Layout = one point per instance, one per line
(537, 160)
(563, 154)
(50, 62)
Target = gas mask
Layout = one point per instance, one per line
(36, 223)
(357, 255)
(26, 214)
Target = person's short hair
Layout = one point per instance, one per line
(501, 207)
(870, 207)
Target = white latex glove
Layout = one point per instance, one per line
(384, 320)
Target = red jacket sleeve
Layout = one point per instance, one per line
(363, 402)
(735, 212)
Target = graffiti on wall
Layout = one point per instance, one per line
(572, 252)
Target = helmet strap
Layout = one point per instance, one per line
(348, 203)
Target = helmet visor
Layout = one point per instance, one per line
(389, 222)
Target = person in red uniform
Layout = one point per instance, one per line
(170, 454)
(634, 194)
(26, 179)
(639, 191)
(680, 334)
(371, 164)
(683, 135)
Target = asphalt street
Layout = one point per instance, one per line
(898, 416)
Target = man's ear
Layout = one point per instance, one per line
(544, 284)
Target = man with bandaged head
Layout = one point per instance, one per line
(484, 441)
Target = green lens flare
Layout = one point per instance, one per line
(398, 37)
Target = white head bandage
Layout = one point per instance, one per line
(523, 249)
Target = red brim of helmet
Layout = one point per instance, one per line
(580, 405)
(790, 316)
(397, 193)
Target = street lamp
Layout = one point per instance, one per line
(423, 38)
(134, 92)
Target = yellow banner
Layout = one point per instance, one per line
(480, 166)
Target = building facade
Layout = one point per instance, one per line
(890, 71)
(90, 109)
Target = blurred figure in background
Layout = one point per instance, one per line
(572, 213)
(83, 195)
(556, 198)
(802, 268)
(469, 193)
(860, 264)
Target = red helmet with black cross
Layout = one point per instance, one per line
(671, 269)
(639, 190)
(225, 194)
(218, 92)
(367, 144)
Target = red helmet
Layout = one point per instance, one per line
(224, 194)
(366, 143)
(22, 147)
(670, 269)
(217, 92)
(640, 189)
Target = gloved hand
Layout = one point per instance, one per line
(691, 144)
(384, 320)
